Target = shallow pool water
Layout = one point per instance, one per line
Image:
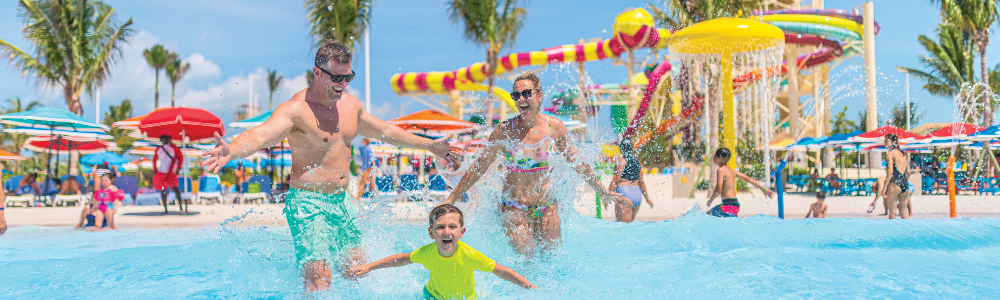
(693, 257)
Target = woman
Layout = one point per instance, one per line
(529, 142)
(103, 207)
(897, 187)
(27, 184)
(628, 181)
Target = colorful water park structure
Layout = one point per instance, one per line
(756, 90)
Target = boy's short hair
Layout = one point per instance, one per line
(723, 153)
(445, 209)
(821, 195)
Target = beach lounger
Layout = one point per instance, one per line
(437, 187)
(80, 198)
(209, 187)
(410, 187)
(24, 195)
(130, 185)
(184, 185)
(265, 189)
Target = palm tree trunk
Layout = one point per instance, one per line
(987, 106)
(270, 102)
(491, 67)
(156, 103)
(173, 90)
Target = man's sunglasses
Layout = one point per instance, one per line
(524, 93)
(338, 78)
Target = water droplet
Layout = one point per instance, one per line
(352, 37)
(329, 7)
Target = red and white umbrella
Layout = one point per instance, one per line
(878, 135)
(133, 123)
(182, 123)
(150, 150)
(83, 145)
(433, 122)
(955, 130)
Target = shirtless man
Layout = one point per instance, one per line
(320, 122)
(818, 209)
(726, 186)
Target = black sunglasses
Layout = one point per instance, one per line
(338, 78)
(524, 93)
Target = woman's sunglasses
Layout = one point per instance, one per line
(338, 78)
(524, 93)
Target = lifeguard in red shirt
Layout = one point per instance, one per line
(167, 161)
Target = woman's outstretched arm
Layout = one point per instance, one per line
(479, 167)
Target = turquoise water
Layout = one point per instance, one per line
(692, 257)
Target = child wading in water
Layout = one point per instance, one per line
(450, 261)
(818, 209)
(726, 186)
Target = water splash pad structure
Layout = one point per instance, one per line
(736, 44)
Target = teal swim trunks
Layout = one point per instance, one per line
(323, 225)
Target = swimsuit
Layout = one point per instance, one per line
(322, 225)
(451, 277)
(106, 198)
(534, 211)
(899, 179)
(729, 208)
(516, 161)
(632, 193)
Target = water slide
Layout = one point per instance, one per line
(830, 29)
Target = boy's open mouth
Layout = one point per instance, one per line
(446, 241)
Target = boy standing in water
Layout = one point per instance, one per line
(726, 186)
(818, 209)
(450, 261)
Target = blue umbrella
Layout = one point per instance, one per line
(990, 133)
(246, 163)
(85, 169)
(101, 158)
(805, 143)
(57, 132)
(252, 122)
(935, 144)
(835, 140)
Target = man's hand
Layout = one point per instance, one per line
(217, 157)
(441, 148)
(606, 195)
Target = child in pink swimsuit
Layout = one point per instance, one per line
(106, 198)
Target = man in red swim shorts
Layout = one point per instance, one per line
(167, 160)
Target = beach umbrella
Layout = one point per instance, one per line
(252, 122)
(979, 145)
(954, 130)
(430, 121)
(988, 133)
(187, 124)
(4, 155)
(878, 135)
(132, 124)
(934, 143)
(52, 119)
(838, 139)
(150, 150)
(103, 157)
(85, 169)
(58, 132)
(236, 162)
(804, 144)
(58, 144)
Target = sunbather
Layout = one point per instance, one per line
(26, 181)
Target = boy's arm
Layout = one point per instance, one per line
(822, 213)
(507, 274)
(809, 213)
(767, 191)
(718, 187)
(396, 260)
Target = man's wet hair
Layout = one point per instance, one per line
(332, 50)
(445, 209)
(723, 154)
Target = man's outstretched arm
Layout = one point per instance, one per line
(370, 126)
(272, 131)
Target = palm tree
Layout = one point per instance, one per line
(492, 24)
(158, 58)
(309, 77)
(273, 81)
(175, 71)
(974, 17)
(117, 113)
(16, 140)
(684, 13)
(77, 42)
(950, 64)
(338, 20)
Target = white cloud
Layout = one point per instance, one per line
(384, 111)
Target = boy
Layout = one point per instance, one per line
(818, 209)
(450, 261)
(726, 186)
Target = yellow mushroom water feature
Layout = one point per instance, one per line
(728, 38)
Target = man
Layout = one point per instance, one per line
(240, 174)
(320, 122)
(833, 180)
(366, 167)
(167, 161)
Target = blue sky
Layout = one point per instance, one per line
(227, 40)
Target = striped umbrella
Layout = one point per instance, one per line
(4, 155)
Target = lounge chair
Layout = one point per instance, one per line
(15, 194)
(437, 187)
(184, 185)
(410, 187)
(989, 185)
(66, 199)
(265, 189)
(130, 185)
(209, 188)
